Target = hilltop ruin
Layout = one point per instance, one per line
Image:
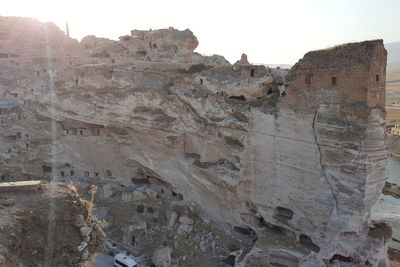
(290, 161)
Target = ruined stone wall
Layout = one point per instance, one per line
(350, 71)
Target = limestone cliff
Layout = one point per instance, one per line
(299, 159)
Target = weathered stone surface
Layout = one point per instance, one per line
(302, 157)
(162, 257)
(184, 219)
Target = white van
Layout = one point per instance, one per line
(123, 260)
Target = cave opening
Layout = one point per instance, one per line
(239, 98)
(340, 258)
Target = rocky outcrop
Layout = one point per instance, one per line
(159, 45)
(391, 189)
(295, 160)
(42, 226)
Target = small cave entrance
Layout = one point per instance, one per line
(238, 98)
(252, 72)
(340, 258)
(272, 228)
(176, 196)
(308, 78)
(245, 231)
(140, 208)
(201, 81)
(307, 242)
(283, 214)
(377, 77)
(150, 210)
(133, 239)
(230, 260)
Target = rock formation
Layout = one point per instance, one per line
(296, 160)
(41, 225)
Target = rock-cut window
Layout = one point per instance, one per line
(334, 80)
(252, 72)
(377, 77)
(308, 78)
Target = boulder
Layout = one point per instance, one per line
(138, 195)
(107, 191)
(172, 216)
(82, 246)
(161, 257)
(85, 254)
(184, 219)
(85, 231)
(184, 229)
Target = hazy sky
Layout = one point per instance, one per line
(278, 31)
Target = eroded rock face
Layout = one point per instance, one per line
(299, 159)
(158, 45)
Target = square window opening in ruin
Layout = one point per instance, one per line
(377, 77)
(71, 173)
(46, 169)
(252, 72)
(140, 208)
(334, 80)
(96, 174)
(308, 79)
(62, 174)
